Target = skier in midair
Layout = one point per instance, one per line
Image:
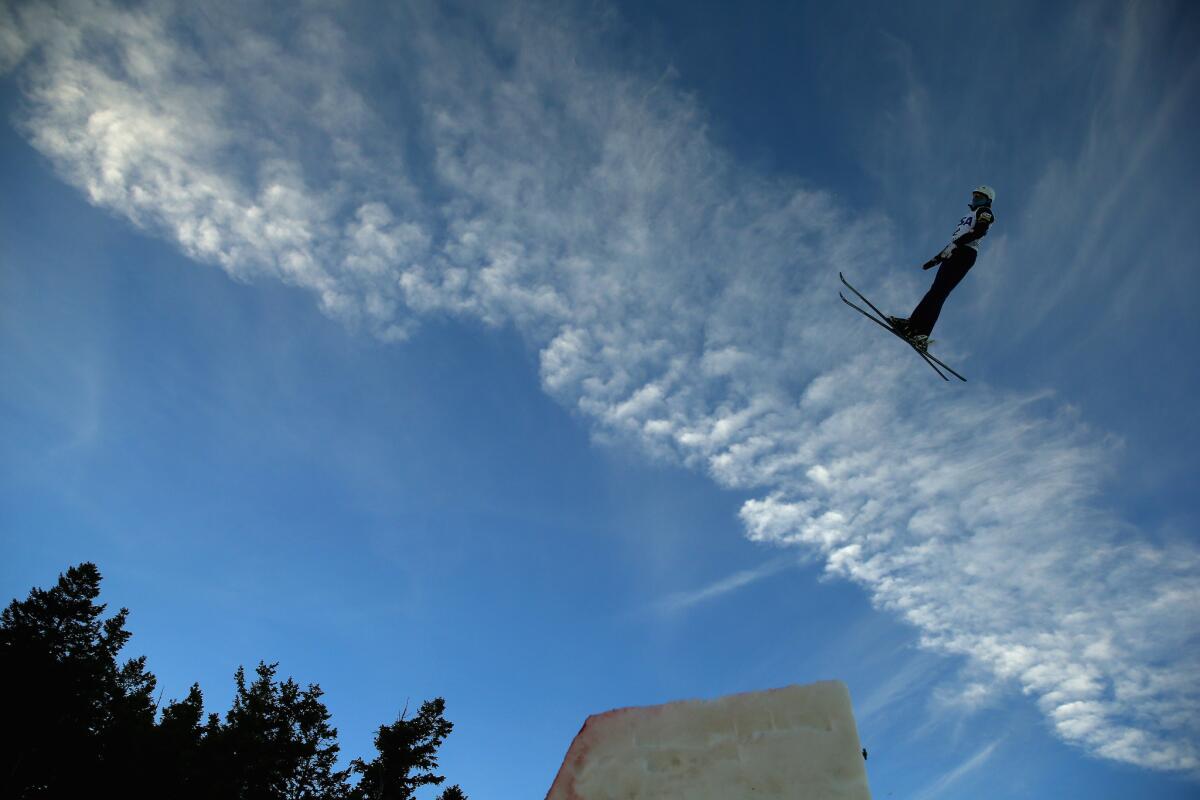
(953, 263)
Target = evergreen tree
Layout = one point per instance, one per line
(276, 742)
(407, 754)
(75, 720)
(179, 772)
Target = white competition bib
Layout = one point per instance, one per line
(967, 223)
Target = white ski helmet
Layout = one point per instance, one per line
(986, 191)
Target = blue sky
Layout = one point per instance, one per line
(494, 353)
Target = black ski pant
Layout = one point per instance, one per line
(950, 272)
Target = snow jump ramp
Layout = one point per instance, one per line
(798, 742)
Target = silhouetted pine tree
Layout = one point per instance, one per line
(407, 754)
(74, 719)
(179, 771)
(276, 742)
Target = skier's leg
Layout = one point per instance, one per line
(951, 271)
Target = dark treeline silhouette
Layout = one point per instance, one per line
(76, 723)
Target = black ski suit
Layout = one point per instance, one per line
(951, 271)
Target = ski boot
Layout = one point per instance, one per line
(899, 325)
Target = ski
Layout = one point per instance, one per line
(881, 320)
(891, 330)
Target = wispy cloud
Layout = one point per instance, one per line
(911, 675)
(678, 303)
(946, 781)
(681, 601)
(1108, 180)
